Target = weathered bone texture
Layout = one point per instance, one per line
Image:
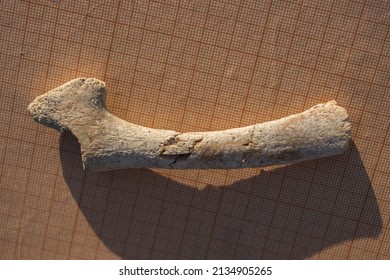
(108, 142)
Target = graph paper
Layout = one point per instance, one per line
(196, 66)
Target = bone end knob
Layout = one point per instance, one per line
(108, 142)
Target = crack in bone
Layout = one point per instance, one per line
(247, 146)
(180, 144)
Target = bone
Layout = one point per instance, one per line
(108, 142)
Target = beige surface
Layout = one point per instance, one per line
(188, 66)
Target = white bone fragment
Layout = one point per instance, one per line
(108, 142)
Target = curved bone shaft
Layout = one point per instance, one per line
(108, 142)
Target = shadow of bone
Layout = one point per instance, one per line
(290, 212)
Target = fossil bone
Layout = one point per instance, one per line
(108, 142)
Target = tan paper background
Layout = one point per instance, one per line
(187, 66)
